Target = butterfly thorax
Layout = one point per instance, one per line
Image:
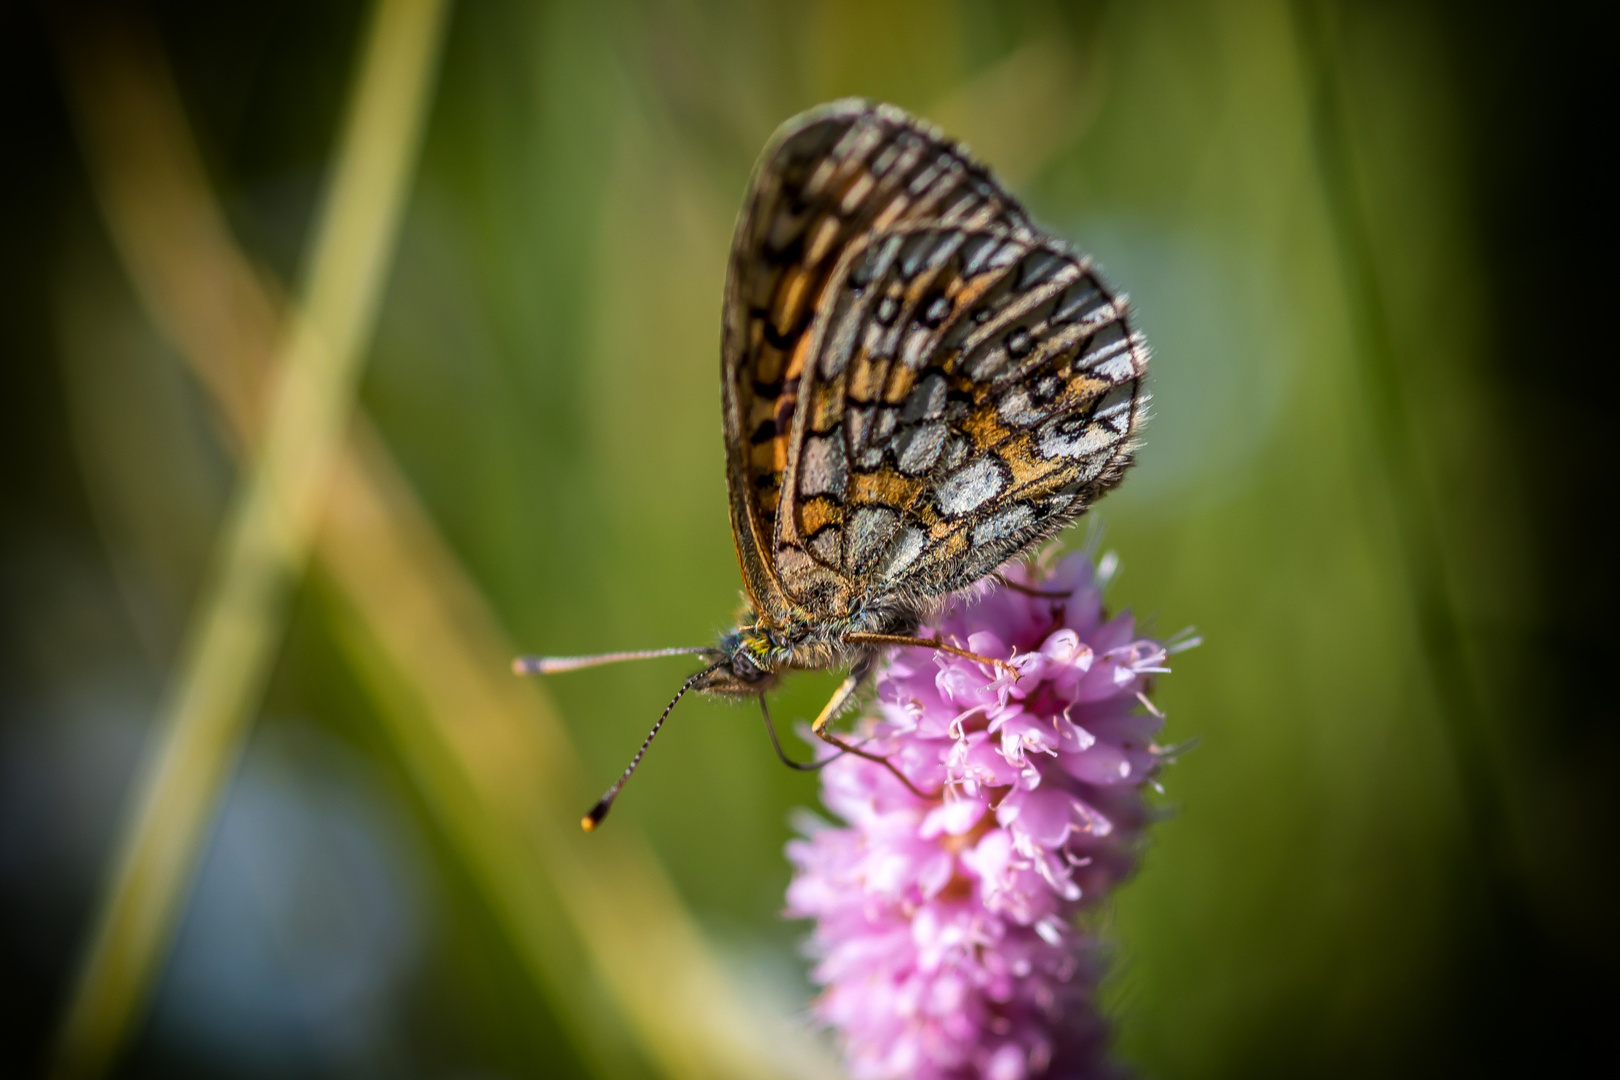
(753, 656)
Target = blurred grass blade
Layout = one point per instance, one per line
(238, 624)
(491, 758)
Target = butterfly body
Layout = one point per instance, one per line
(752, 657)
(918, 385)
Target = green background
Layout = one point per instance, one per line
(1358, 240)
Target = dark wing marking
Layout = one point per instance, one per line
(973, 391)
(828, 178)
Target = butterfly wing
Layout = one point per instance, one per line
(829, 178)
(972, 390)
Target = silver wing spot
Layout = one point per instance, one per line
(1017, 409)
(902, 553)
(912, 354)
(971, 487)
(826, 546)
(926, 400)
(986, 361)
(1008, 254)
(1036, 269)
(1104, 352)
(1002, 524)
(1114, 410)
(883, 427)
(861, 444)
(976, 252)
(919, 449)
(1073, 436)
(1079, 301)
(823, 469)
(867, 533)
(880, 340)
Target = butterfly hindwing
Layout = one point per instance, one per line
(829, 179)
(971, 390)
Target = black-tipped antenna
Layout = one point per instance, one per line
(591, 820)
(551, 665)
(782, 755)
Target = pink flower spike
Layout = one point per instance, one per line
(944, 928)
(952, 818)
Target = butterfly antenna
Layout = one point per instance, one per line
(591, 820)
(551, 665)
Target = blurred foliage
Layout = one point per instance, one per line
(1338, 221)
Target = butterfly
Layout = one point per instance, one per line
(918, 384)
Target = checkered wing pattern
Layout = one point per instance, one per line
(918, 383)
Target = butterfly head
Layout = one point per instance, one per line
(743, 664)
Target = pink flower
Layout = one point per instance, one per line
(945, 933)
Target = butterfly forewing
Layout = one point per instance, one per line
(972, 391)
(918, 383)
(830, 178)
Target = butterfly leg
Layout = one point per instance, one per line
(930, 643)
(781, 755)
(842, 697)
